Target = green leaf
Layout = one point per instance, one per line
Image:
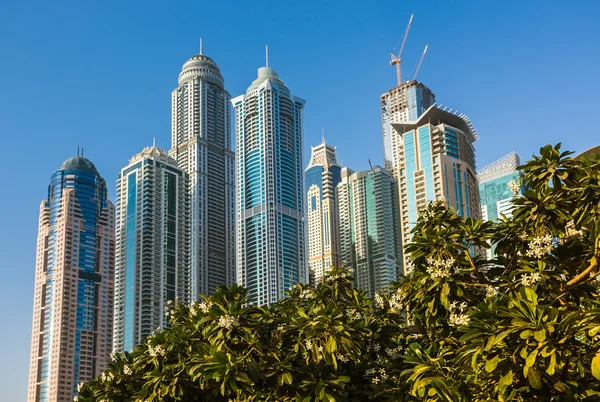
(528, 294)
(490, 365)
(540, 335)
(535, 378)
(505, 381)
(596, 366)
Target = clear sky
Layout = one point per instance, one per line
(100, 74)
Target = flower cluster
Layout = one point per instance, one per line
(490, 291)
(127, 370)
(308, 344)
(157, 350)
(227, 321)
(393, 353)
(458, 315)
(396, 302)
(539, 246)
(514, 186)
(107, 377)
(379, 300)
(306, 294)
(343, 359)
(528, 280)
(205, 306)
(426, 215)
(439, 268)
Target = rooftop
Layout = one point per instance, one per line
(79, 163)
(502, 167)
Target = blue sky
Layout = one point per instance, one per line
(99, 74)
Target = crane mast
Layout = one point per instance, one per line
(396, 60)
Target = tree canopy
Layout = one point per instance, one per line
(523, 326)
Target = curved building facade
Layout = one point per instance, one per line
(73, 299)
(270, 193)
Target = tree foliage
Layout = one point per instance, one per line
(523, 326)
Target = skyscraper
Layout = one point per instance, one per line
(270, 191)
(496, 195)
(405, 102)
(370, 239)
(436, 159)
(153, 245)
(71, 336)
(201, 145)
(322, 176)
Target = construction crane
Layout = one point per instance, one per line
(396, 60)
(420, 62)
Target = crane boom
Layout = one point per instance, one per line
(396, 60)
(420, 62)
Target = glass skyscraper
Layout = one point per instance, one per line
(322, 175)
(496, 196)
(436, 159)
(405, 102)
(369, 228)
(270, 191)
(201, 145)
(153, 259)
(73, 299)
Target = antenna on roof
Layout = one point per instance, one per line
(154, 142)
(201, 47)
(267, 55)
(323, 135)
(77, 150)
(82, 152)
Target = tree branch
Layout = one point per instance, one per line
(586, 272)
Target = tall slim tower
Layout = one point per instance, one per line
(201, 145)
(153, 245)
(270, 191)
(370, 240)
(71, 336)
(322, 176)
(436, 159)
(405, 102)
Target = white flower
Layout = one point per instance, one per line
(280, 327)
(440, 268)
(306, 294)
(205, 306)
(227, 322)
(370, 371)
(540, 246)
(193, 310)
(127, 370)
(158, 350)
(514, 187)
(320, 349)
(343, 359)
(491, 291)
(379, 300)
(459, 319)
(75, 399)
(528, 280)
(79, 387)
(375, 380)
(377, 347)
(308, 344)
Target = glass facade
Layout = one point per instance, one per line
(74, 283)
(370, 241)
(271, 249)
(153, 259)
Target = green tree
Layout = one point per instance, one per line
(524, 326)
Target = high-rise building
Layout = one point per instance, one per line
(270, 192)
(496, 195)
(321, 177)
(369, 235)
(201, 145)
(436, 159)
(405, 102)
(153, 245)
(71, 337)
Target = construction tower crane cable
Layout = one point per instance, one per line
(396, 60)
(420, 62)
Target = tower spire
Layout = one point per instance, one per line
(201, 47)
(323, 135)
(154, 139)
(267, 54)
